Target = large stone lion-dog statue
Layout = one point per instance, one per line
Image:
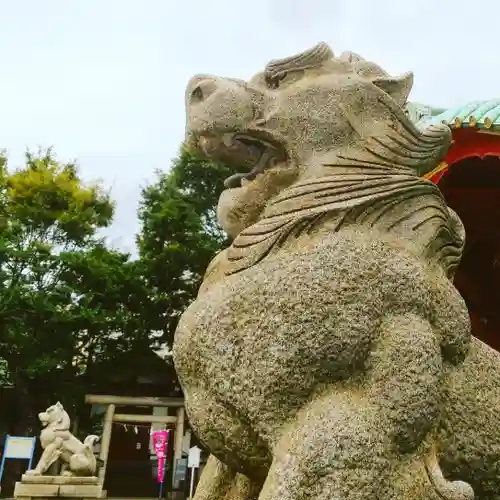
(328, 354)
(61, 446)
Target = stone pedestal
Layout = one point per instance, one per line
(45, 487)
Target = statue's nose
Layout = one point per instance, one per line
(201, 89)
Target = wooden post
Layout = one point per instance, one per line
(178, 437)
(106, 440)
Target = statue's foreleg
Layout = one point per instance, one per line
(371, 440)
(220, 482)
(50, 455)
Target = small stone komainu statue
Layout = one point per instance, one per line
(59, 445)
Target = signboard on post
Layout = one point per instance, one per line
(180, 470)
(194, 457)
(16, 447)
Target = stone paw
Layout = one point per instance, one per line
(33, 472)
(448, 490)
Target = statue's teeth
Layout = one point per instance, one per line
(233, 181)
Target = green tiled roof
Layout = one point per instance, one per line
(480, 114)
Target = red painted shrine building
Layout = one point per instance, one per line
(469, 178)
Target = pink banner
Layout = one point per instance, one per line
(160, 443)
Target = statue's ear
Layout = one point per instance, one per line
(59, 405)
(398, 88)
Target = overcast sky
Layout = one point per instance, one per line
(103, 80)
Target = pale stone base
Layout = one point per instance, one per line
(44, 487)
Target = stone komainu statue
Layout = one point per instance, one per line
(59, 445)
(328, 354)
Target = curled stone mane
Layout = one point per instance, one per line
(375, 191)
(277, 68)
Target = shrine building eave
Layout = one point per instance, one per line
(483, 115)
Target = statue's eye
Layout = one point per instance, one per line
(197, 94)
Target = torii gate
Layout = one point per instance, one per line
(111, 402)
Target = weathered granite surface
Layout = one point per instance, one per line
(328, 354)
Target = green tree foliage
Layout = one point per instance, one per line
(73, 309)
(65, 299)
(108, 313)
(179, 235)
(4, 374)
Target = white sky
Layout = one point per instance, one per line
(103, 80)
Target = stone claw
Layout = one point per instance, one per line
(33, 472)
(448, 490)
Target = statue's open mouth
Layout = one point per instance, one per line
(268, 153)
(43, 419)
(253, 153)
